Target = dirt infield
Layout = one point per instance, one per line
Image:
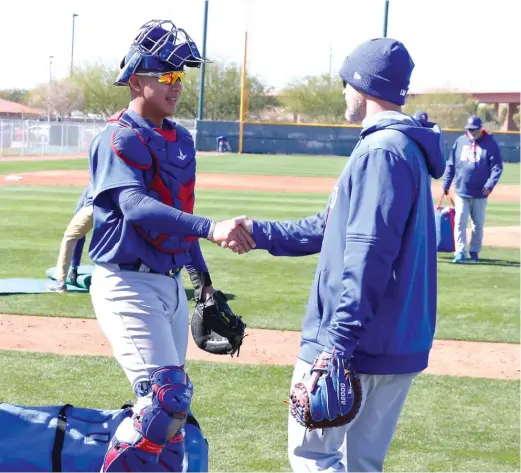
(267, 347)
(505, 192)
(67, 157)
(503, 237)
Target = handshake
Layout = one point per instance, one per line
(235, 234)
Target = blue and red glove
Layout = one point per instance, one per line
(330, 395)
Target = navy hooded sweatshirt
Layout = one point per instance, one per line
(474, 165)
(373, 297)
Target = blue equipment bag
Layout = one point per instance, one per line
(56, 438)
(444, 218)
(73, 439)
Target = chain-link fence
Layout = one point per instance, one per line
(41, 138)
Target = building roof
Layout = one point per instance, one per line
(482, 95)
(14, 108)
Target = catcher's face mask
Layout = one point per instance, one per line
(159, 47)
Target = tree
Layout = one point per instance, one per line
(96, 82)
(516, 118)
(448, 109)
(489, 116)
(222, 91)
(315, 99)
(503, 114)
(259, 98)
(222, 97)
(15, 95)
(62, 98)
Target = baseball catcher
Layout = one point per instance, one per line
(143, 171)
(330, 395)
(215, 327)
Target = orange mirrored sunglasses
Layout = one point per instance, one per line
(168, 78)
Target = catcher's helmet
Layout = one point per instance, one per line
(160, 47)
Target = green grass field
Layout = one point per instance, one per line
(279, 286)
(448, 424)
(270, 165)
(325, 166)
(502, 214)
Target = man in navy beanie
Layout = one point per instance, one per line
(372, 305)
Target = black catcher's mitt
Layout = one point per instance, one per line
(215, 327)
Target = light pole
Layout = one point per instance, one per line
(386, 16)
(50, 86)
(203, 65)
(330, 61)
(74, 15)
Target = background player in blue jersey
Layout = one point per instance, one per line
(372, 306)
(475, 165)
(423, 118)
(73, 241)
(142, 169)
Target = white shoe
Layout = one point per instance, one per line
(58, 287)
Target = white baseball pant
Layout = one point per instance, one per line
(476, 209)
(145, 319)
(362, 444)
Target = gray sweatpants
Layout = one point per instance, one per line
(362, 444)
(476, 209)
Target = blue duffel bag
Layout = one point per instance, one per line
(444, 218)
(69, 438)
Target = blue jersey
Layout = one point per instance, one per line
(130, 151)
(375, 288)
(473, 165)
(85, 199)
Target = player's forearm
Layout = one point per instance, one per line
(450, 170)
(140, 209)
(290, 238)
(197, 263)
(367, 269)
(449, 175)
(496, 169)
(78, 250)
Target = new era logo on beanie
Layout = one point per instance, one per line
(380, 67)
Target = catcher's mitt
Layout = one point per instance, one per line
(331, 400)
(215, 327)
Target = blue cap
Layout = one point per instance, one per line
(380, 67)
(421, 116)
(473, 123)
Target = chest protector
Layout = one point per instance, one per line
(167, 158)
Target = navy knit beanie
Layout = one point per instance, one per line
(380, 67)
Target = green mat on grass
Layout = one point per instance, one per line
(41, 286)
